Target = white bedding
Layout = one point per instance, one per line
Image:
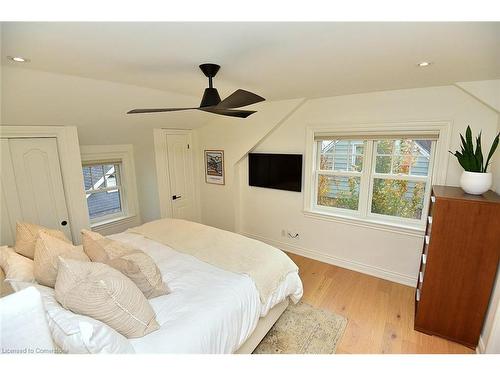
(209, 310)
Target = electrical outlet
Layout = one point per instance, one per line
(283, 233)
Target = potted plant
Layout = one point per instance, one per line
(475, 179)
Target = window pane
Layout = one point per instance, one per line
(342, 155)
(112, 175)
(97, 176)
(87, 179)
(357, 163)
(103, 203)
(326, 162)
(398, 198)
(338, 191)
(421, 166)
(403, 156)
(385, 147)
(383, 164)
(402, 164)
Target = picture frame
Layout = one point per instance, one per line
(214, 167)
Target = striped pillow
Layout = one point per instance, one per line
(27, 234)
(133, 263)
(47, 251)
(105, 294)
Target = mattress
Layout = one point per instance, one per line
(209, 310)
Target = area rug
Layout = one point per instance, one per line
(303, 329)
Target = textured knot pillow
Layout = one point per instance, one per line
(133, 263)
(105, 294)
(27, 234)
(47, 250)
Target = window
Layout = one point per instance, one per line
(103, 190)
(110, 186)
(379, 178)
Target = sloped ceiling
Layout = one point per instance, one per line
(276, 60)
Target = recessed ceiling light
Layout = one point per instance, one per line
(18, 59)
(424, 64)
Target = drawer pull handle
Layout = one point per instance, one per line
(417, 296)
(424, 258)
(427, 239)
(433, 198)
(421, 276)
(429, 219)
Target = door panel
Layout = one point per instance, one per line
(9, 200)
(181, 176)
(38, 180)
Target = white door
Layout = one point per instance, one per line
(180, 170)
(35, 188)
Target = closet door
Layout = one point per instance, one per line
(9, 200)
(38, 180)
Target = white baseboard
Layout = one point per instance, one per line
(344, 263)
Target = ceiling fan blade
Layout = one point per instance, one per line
(227, 112)
(152, 110)
(240, 98)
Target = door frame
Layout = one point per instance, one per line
(71, 168)
(163, 177)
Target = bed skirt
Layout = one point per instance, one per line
(263, 326)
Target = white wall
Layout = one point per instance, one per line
(487, 92)
(236, 137)
(263, 213)
(97, 108)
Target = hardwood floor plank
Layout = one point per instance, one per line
(380, 313)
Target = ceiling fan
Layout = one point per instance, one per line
(211, 101)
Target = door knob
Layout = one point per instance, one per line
(64, 223)
(174, 197)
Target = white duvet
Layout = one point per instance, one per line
(209, 310)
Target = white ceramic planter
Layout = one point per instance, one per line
(475, 183)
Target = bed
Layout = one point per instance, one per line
(209, 309)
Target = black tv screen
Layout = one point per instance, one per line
(275, 171)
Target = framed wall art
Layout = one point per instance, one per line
(214, 167)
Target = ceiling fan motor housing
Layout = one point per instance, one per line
(210, 97)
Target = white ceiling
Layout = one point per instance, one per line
(275, 60)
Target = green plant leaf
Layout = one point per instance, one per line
(478, 155)
(493, 148)
(468, 137)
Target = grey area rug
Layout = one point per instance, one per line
(303, 329)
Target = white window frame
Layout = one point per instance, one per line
(113, 154)
(364, 217)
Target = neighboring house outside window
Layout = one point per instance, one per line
(103, 190)
(379, 178)
(110, 186)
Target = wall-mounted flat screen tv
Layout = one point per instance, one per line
(275, 171)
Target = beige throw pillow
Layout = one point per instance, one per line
(47, 251)
(16, 269)
(133, 263)
(27, 234)
(105, 294)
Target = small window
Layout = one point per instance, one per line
(103, 190)
(378, 179)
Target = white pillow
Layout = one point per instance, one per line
(17, 268)
(23, 327)
(79, 334)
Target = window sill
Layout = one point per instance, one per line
(113, 222)
(367, 223)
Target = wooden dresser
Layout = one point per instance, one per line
(459, 262)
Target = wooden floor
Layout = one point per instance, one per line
(379, 312)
